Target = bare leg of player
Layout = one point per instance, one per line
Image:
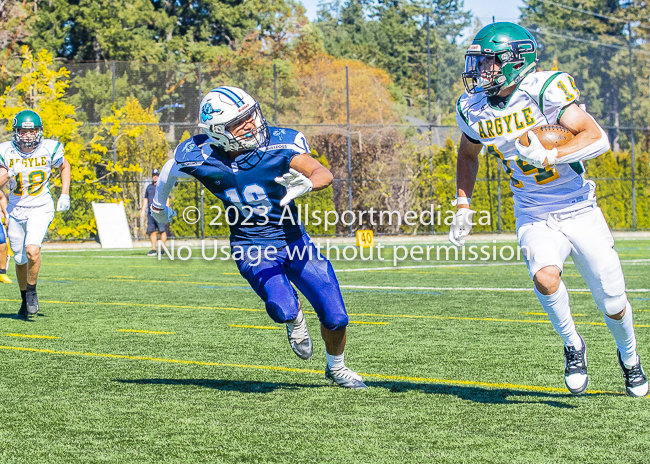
(34, 263)
(336, 371)
(21, 275)
(3, 264)
(334, 340)
(3, 256)
(27, 281)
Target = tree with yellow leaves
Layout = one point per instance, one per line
(41, 87)
(130, 144)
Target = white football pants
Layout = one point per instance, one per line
(585, 236)
(28, 226)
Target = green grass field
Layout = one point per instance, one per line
(137, 360)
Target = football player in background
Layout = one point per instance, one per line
(555, 207)
(4, 261)
(257, 171)
(27, 163)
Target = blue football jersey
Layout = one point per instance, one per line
(246, 185)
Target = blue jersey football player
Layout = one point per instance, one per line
(257, 171)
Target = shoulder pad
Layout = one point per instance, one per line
(536, 83)
(282, 135)
(466, 102)
(52, 146)
(188, 153)
(283, 138)
(461, 106)
(4, 146)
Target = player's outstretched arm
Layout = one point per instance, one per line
(66, 175)
(64, 200)
(590, 139)
(305, 174)
(160, 209)
(3, 204)
(169, 174)
(467, 166)
(319, 175)
(466, 171)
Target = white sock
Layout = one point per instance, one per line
(623, 332)
(335, 361)
(559, 312)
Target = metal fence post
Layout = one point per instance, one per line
(433, 229)
(347, 100)
(114, 102)
(275, 95)
(500, 224)
(196, 200)
(489, 191)
(633, 160)
(429, 118)
(428, 72)
(202, 215)
(200, 86)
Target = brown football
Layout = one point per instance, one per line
(551, 136)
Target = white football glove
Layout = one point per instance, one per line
(535, 153)
(64, 202)
(296, 183)
(461, 226)
(163, 216)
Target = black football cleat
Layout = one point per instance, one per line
(22, 312)
(575, 369)
(32, 302)
(636, 382)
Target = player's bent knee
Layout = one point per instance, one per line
(547, 280)
(32, 252)
(282, 312)
(335, 321)
(612, 306)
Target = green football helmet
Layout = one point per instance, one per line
(27, 119)
(501, 54)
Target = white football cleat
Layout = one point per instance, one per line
(299, 338)
(344, 377)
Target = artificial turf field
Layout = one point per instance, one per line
(132, 360)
